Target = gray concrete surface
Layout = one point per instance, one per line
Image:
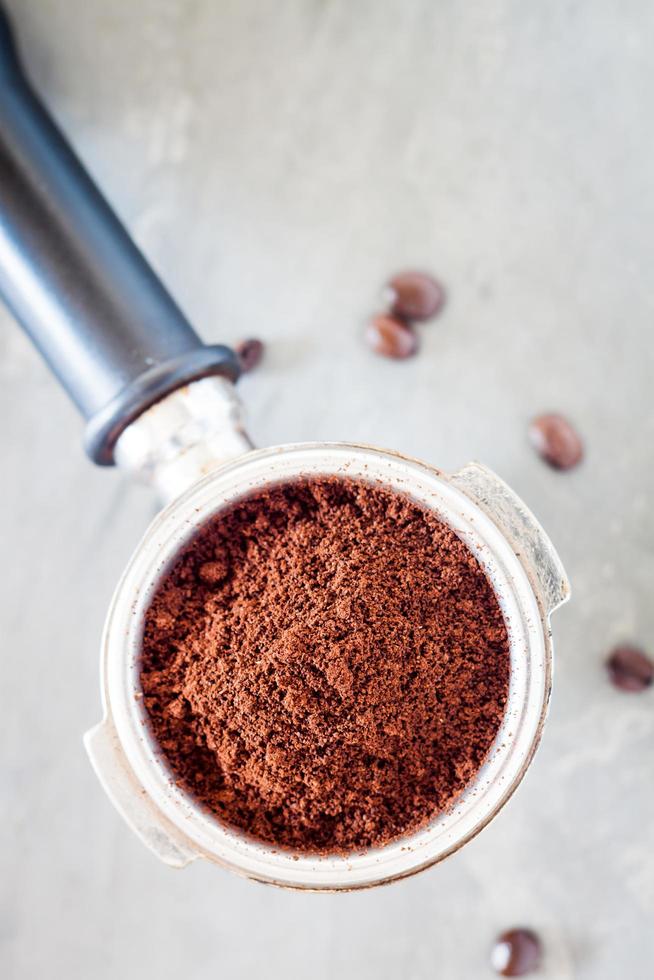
(276, 160)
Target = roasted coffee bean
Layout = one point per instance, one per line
(390, 337)
(556, 441)
(630, 668)
(414, 296)
(516, 953)
(249, 353)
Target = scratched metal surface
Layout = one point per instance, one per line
(276, 161)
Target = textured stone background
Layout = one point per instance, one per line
(276, 160)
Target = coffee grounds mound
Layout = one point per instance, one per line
(325, 666)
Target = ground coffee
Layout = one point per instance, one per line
(325, 666)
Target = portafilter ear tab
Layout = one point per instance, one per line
(74, 279)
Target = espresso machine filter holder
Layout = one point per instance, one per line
(161, 404)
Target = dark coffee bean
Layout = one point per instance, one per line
(414, 296)
(630, 668)
(249, 353)
(556, 441)
(390, 337)
(516, 953)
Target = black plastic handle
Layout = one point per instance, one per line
(77, 283)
